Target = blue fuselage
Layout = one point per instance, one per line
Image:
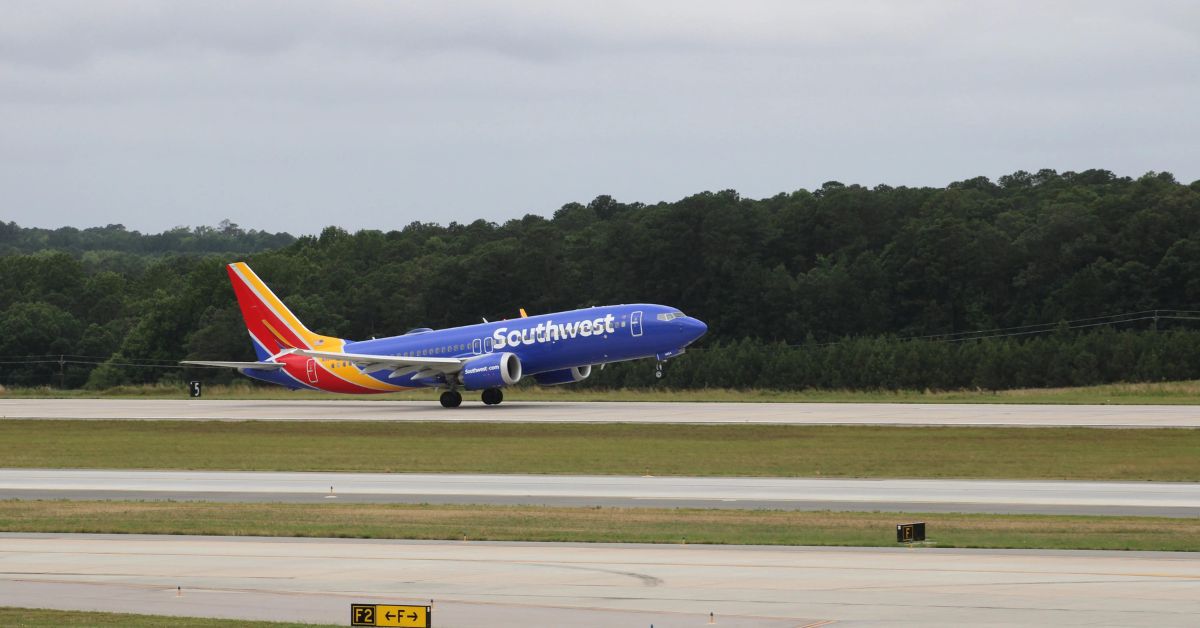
(544, 343)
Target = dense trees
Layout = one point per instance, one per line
(811, 288)
(1058, 359)
(226, 237)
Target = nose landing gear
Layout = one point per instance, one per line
(658, 371)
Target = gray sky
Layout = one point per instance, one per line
(296, 115)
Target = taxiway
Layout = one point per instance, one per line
(537, 584)
(1119, 416)
(1166, 499)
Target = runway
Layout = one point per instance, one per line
(599, 585)
(1123, 416)
(1169, 499)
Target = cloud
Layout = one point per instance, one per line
(292, 115)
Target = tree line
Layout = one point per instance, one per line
(812, 288)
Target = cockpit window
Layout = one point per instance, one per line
(669, 316)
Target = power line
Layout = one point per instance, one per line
(962, 336)
(1041, 328)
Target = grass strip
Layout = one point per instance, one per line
(46, 618)
(608, 525)
(607, 449)
(1164, 393)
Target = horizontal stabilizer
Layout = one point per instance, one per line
(254, 366)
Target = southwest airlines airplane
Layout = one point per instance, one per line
(558, 348)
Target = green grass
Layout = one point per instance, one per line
(609, 525)
(1175, 393)
(618, 449)
(44, 618)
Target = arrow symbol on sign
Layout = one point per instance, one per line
(389, 616)
(413, 616)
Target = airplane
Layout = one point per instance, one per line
(558, 348)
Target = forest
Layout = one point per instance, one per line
(1034, 279)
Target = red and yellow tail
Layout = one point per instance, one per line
(271, 324)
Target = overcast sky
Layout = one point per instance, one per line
(296, 115)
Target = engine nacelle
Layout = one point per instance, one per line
(564, 376)
(493, 370)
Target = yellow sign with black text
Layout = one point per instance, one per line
(390, 615)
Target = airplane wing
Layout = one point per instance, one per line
(254, 366)
(400, 366)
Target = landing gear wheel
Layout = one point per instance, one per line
(451, 399)
(492, 396)
(658, 371)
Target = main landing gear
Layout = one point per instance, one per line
(451, 399)
(492, 396)
(658, 371)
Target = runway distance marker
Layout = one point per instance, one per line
(405, 616)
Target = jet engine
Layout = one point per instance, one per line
(493, 370)
(564, 376)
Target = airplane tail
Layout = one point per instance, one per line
(271, 324)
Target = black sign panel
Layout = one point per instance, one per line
(910, 532)
(362, 614)
(193, 388)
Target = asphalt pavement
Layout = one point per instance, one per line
(596, 584)
(1016, 415)
(1170, 499)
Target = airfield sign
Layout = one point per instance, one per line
(404, 616)
(910, 532)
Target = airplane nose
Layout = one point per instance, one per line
(693, 328)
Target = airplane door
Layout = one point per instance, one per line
(477, 346)
(487, 344)
(312, 371)
(635, 323)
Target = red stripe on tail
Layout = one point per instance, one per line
(261, 320)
